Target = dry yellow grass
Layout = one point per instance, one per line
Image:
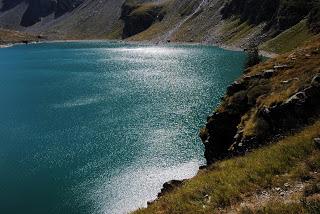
(303, 64)
(10, 36)
(231, 181)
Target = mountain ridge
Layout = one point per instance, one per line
(221, 22)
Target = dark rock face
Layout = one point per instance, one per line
(314, 17)
(235, 87)
(36, 10)
(316, 81)
(41, 8)
(166, 188)
(138, 21)
(9, 4)
(268, 73)
(169, 186)
(317, 142)
(295, 111)
(222, 127)
(279, 15)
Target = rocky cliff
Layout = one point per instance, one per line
(139, 16)
(269, 101)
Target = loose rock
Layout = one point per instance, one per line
(317, 142)
(169, 186)
(281, 66)
(316, 80)
(268, 73)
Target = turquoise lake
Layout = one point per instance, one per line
(98, 127)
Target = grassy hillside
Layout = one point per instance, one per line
(231, 185)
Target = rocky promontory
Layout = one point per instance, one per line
(269, 101)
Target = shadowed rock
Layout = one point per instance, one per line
(169, 186)
(223, 136)
(139, 17)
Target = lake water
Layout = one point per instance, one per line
(98, 127)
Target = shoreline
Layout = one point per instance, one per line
(222, 46)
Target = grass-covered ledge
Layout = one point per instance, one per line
(230, 182)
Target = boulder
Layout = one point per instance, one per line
(235, 87)
(268, 73)
(286, 82)
(257, 76)
(247, 77)
(317, 142)
(222, 127)
(169, 186)
(298, 98)
(279, 67)
(316, 80)
(137, 17)
(289, 81)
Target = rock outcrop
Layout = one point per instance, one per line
(170, 186)
(279, 15)
(264, 104)
(139, 17)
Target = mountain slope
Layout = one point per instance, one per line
(227, 23)
(224, 22)
(30, 12)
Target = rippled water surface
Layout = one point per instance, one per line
(98, 127)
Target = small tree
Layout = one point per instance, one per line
(253, 56)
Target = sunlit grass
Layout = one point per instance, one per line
(229, 181)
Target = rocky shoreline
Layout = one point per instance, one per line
(226, 134)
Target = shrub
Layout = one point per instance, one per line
(253, 56)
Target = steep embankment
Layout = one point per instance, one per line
(273, 109)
